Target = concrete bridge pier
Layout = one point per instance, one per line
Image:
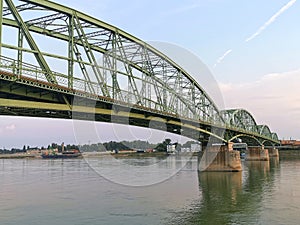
(273, 152)
(257, 154)
(221, 158)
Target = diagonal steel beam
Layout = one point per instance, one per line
(145, 68)
(119, 46)
(90, 55)
(38, 55)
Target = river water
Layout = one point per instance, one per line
(72, 192)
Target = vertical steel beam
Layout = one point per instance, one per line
(149, 67)
(114, 67)
(131, 80)
(20, 52)
(84, 70)
(90, 55)
(70, 52)
(38, 55)
(110, 65)
(164, 87)
(1, 19)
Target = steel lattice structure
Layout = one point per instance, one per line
(106, 64)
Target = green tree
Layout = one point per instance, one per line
(167, 141)
(162, 147)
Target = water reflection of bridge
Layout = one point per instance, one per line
(232, 198)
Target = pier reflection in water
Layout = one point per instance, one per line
(69, 192)
(232, 198)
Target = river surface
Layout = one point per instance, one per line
(72, 192)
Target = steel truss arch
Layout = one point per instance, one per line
(240, 118)
(131, 71)
(274, 136)
(103, 63)
(252, 137)
(265, 131)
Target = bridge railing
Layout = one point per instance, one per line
(79, 86)
(36, 73)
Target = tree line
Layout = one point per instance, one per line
(106, 146)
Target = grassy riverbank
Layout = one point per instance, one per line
(16, 156)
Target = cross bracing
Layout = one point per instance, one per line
(99, 61)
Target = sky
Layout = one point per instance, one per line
(251, 48)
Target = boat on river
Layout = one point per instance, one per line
(61, 155)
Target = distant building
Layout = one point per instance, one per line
(290, 143)
(185, 149)
(196, 148)
(171, 148)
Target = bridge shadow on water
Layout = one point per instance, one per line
(232, 198)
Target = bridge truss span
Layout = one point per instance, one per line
(241, 119)
(97, 61)
(113, 63)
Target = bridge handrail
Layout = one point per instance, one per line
(36, 73)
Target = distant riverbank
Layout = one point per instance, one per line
(17, 156)
(283, 153)
(94, 154)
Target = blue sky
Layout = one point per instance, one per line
(251, 47)
(210, 28)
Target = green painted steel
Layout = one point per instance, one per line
(264, 130)
(40, 58)
(99, 61)
(1, 22)
(240, 118)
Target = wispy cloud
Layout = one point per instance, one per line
(10, 127)
(271, 20)
(221, 58)
(273, 99)
(261, 29)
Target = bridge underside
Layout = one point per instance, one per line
(19, 99)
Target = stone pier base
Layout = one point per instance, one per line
(273, 152)
(257, 154)
(220, 158)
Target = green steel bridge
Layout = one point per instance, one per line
(57, 62)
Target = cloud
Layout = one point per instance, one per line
(226, 87)
(272, 100)
(10, 127)
(263, 27)
(221, 58)
(271, 20)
